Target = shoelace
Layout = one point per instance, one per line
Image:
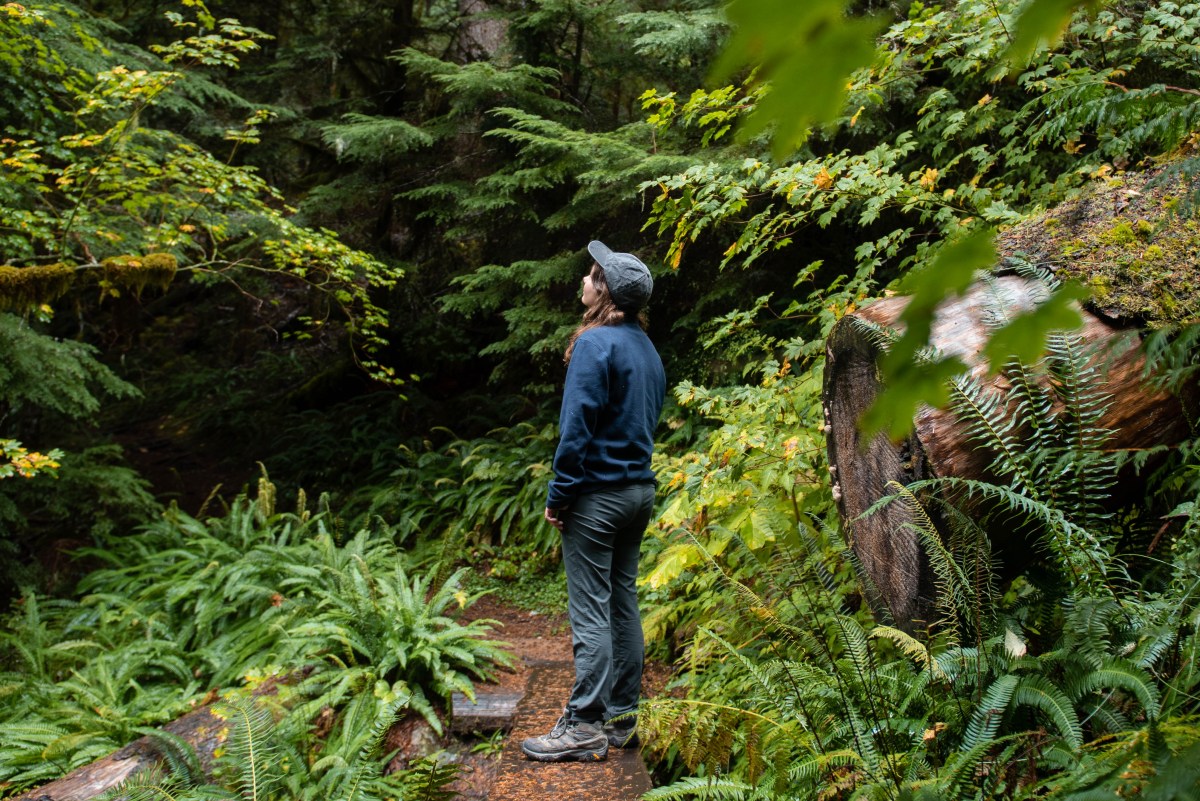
(560, 727)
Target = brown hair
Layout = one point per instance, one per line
(604, 312)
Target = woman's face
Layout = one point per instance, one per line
(591, 295)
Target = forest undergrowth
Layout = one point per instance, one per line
(346, 243)
(186, 611)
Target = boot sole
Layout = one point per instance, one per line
(573, 755)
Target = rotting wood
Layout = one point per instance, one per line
(896, 568)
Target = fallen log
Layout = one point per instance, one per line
(898, 577)
(201, 729)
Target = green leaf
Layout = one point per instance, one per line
(910, 385)
(671, 563)
(908, 378)
(1024, 337)
(807, 60)
(1041, 23)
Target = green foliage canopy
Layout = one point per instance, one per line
(86, 175)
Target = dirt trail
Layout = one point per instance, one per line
(545, 675)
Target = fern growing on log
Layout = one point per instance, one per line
(259, 763)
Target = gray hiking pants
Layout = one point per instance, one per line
(602, 538)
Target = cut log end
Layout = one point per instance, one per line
(893, 563)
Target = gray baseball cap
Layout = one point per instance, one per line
(629, 281)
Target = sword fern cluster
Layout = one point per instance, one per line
(186, 605)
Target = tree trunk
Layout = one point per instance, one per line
(479, 36)
(201, 729)
(896, 569)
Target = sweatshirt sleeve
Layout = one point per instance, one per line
(585, 394)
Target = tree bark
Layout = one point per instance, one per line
(897, 574)
(479, 37)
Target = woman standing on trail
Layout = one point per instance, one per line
(601, 499)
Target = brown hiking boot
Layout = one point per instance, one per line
(622, 732)
(568, 741)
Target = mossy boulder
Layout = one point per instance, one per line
(1133, 240)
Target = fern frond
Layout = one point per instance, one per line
(973, 560)
(1037, 691)
(1075, 546)
(960, 772)
(990, 425)
(882, 337)
(770, 688)
(144, 785)
(717, 788)
(426, 780)
(702, 731)
(952, 587)
(812, 768)
(985, 722)
(1102, 717)
(251, 747)
(1120, 674)
(178, 754)
(913, 648)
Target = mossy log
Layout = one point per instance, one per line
(201, 729)
(897, 572)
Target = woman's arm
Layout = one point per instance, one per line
(585, 394)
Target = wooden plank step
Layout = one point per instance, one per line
(622, 777)
(487, 713)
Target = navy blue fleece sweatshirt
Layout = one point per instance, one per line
(611, 402)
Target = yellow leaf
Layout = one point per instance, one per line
(672, 562)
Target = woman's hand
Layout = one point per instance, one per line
(552, 517)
